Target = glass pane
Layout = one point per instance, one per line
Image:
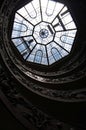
(44, 61)
(17, 41)
(21, 47)
(30, 58)
(23, 12)
(51, 60)
(25, 53)
(67, 19)
(38, 56)
(20, 27)
(67, 39)
(55, 54)
(49, 10)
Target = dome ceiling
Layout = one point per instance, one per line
(43, 31)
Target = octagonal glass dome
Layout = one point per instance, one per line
(43, 31)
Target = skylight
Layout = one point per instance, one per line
(43, 31)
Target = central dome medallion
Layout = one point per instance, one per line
(43, 33)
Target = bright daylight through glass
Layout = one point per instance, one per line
(43, 31)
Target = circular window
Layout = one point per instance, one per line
(43, 31)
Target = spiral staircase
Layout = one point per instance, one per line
(44, 97)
